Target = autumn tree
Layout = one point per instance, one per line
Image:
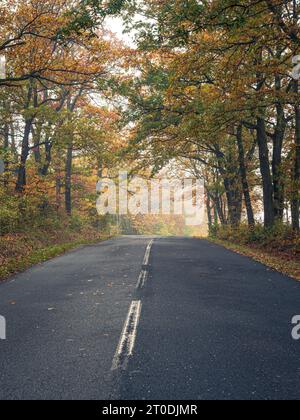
(215, 75)
(56, 69)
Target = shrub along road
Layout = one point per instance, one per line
(130, 319)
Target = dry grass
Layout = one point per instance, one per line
(20, 251)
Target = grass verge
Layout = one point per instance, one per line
(18, 252)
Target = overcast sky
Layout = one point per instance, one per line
(115, 25)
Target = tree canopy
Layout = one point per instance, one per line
(209, 85)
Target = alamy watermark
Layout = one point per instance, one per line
(2, 328)
(296, 329)
(159, 196)
(2, 76)
(295, 74)
(2, 67)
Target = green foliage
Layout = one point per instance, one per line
(173, 19)
(88, 14)
(76, 222)
(9, 214)
(18, 214)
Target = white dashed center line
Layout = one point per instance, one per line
(148, 252)
(127, 341)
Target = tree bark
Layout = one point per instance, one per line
(278, 185)
(58, 186)
(220, 210)
(36, 134)
(21, 177)
(68, 179)
(234, 200)
(296, 169)
(6, 163)
(208, 209)
(229, 172)
(48, 158)
(244, 178)
(269, 214)
(69, 161)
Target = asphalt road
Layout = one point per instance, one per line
(127, 319)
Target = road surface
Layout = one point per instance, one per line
(132, 318)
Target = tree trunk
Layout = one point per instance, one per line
(36, 134)
(208, 210)
(21, 177)
(68, 176)
(68, 180)
(58, 186)
(269, 214)
(6, 163)
(229, 173)
(296, 169)
(216, 218)
(48, 158)
(13, 146)
(278, 185)
(243, 173)
(219, 208)
(234, 201)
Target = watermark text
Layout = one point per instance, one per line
(159, 196)
(2, 328)
(296, 329)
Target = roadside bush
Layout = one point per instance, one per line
(280, 237)
(28, 213)
(9, 216)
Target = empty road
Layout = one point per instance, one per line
(150, 318)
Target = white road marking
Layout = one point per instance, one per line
(128, 337)
(127, 341)
(142, 279)
(145, 271)
(148, 252)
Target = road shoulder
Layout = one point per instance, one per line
(280, 264)
(20, 254)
